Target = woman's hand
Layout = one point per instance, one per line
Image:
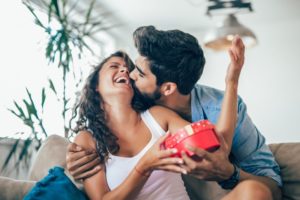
(237, 59)
(157, 158)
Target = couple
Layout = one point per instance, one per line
(119, 131)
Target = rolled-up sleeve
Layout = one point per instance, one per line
(249, 148)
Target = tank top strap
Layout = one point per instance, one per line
(152, 124)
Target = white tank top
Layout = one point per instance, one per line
(161, 184)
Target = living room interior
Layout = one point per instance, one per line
(268, 84)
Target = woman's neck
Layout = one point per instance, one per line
(120, 117)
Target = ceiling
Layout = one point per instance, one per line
(190, 15)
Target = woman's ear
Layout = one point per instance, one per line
(168, 88)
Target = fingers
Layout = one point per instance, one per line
(190, 164)
(223, 144)
(170, 160)
(72, 147)
(79, 159)
(73, 156)
(199, 152)
(87, 167)
(171, 164)
(231, 55)
(173, 168)
(238, 46)
(166, 153)
(89, 173)
(162, 138)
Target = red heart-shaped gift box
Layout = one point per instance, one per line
(198, 134)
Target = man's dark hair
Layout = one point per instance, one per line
(173, 55)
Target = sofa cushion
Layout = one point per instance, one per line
(53, 151)
(288, 157)
(11, 189)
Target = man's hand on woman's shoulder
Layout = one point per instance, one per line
(82, 163)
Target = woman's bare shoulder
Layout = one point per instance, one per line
(161, 111)
(85, 139)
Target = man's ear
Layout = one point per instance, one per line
(168, 88)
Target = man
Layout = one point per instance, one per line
(167, 69)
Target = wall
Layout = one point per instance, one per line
(270, 79)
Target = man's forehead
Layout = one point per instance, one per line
(140, 59)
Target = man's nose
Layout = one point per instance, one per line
(131, 75)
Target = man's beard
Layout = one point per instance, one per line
(146, 99)
(153, 97)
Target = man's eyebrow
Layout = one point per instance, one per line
(115, 63)
(140, 70)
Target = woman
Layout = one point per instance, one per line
(128, 136)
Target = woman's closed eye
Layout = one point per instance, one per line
(114, 66)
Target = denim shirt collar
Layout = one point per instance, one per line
(196, 107)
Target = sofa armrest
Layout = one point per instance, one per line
(287, 156)
(11, 189)
(51, 153)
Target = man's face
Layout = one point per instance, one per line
(145, 80)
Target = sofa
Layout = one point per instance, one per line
(53, 151)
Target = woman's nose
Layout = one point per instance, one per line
(124, 70)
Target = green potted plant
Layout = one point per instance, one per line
(67, 35)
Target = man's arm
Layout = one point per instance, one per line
(216, 166)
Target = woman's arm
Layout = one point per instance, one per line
(226, 123)
(96, 186)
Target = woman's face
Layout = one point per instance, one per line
(114, 79)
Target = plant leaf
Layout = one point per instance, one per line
(52, 87)
(33, 109)
(13, 150)
(43, 97)
(36, 19)
(24, 150)
(54, 4)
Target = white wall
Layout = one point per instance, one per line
(270, 80)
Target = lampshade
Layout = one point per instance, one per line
(220, 38)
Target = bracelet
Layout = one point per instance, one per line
(141, 173)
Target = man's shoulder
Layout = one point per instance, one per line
(207, 93)
(207, 89)
(211, 95)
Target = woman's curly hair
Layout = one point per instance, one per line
(91, 117)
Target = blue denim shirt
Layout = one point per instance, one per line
(249, 150)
